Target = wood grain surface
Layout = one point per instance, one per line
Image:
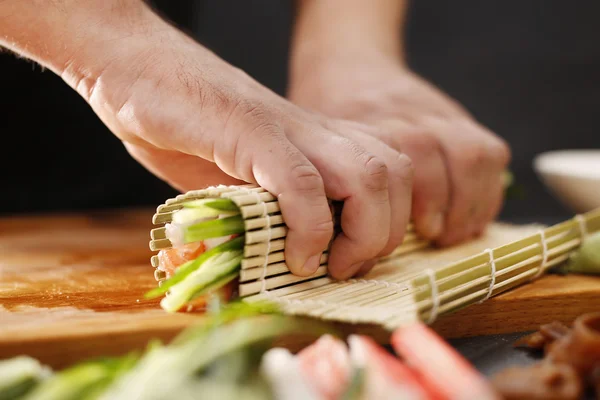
(71, 287)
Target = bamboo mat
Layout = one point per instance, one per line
(416, 282)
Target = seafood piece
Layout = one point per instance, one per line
(543, 381)
(580, 348)
(547, 334)
(442, 368)
(385, 377)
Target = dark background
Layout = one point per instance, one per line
(529, 70)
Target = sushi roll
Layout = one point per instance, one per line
(221, 242)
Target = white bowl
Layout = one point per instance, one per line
(573, 176)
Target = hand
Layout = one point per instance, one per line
(459, 164)
(194, 120)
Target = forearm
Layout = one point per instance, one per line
(348, 27)
(68, 36)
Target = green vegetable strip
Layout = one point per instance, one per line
(355, 388)
(216, 204)
(177, 364)
(216, 285)
(201, 280)
(586, 259)
(84, 381)
(214, 229)
(19, 375)
(185, 269)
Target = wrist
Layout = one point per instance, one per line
(346, 31)
(74, 35)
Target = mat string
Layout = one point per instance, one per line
(434, 296)
(582, 226)
(492, 274)
(544, 254)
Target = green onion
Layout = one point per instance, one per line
(586, 259)
(20, 375)
(162, 372)
(85, 381)
(354, 391)
(214, 270)
(214, 228)
(216, 204)
(184, 270)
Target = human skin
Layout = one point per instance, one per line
(348, 62)
(194, 120)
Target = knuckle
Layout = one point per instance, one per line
(401, 168)
(501, 151)
(305, 178)
(375, 173)
(321, 231)
(476, 155)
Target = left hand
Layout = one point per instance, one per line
(459, 164)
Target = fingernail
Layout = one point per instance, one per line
(311, 265)
(435, 224)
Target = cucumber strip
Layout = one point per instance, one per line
(20, 375)
(190, 216)
(216, 285)
(215, 269)
(356, 385)
(85, 381)
(214, 228)
(185, 269)
(216, 204)
(161, 372)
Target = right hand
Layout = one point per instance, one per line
(193, 120)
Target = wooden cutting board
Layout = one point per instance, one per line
(71, 287)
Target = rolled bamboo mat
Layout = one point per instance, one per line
(416, 282)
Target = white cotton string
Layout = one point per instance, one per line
(582, 226)
(544, 254)
(263, 280)
(434, 296)
(492, 274)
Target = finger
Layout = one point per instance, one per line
(360, 180)
(182, 171)
(431, 180)
(366, 268)
(283, 170)
(471, 157)
(494, 202)
(400, 178)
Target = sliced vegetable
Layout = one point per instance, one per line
(20, 375)
(184, 270)
(164, 370)
(85, 381)
(216, 271)
(355, 389)
(213, 228)
(215, 204)
(586, 259)
(441, 367)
